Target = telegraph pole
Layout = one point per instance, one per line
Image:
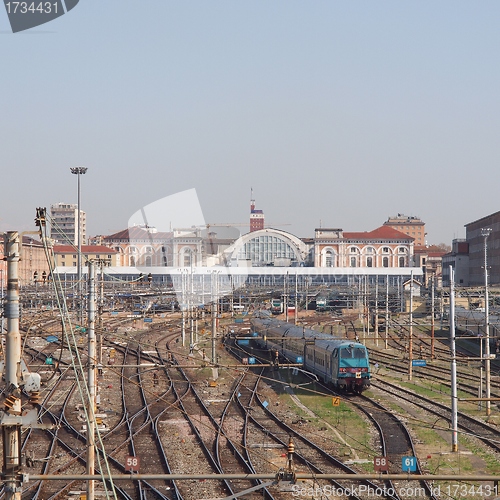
(11, 419)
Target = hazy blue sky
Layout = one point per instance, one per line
(343, 112)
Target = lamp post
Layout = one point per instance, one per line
(79, 171)
(485, 232)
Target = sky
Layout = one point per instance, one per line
(337, 113)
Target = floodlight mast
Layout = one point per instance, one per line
(79, 171)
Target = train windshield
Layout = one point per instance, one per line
(352, 353)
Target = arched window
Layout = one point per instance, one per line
(369, 262)
(329, 259)
(401, 262)
(385, 262)
(188, 257)
(354, 262)
(265, 249)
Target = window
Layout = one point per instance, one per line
(385, 249)
(329, 259)
(353, 262)
(369, 261)
(385, 262)
(401, 262)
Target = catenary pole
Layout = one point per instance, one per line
(485, 232)
(454, 399)
(91, 380)
(410, 331)
(11, 433)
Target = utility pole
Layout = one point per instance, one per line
(454, 399)
(11, 418)
(376, 311)
(100, 314)
(214, 278)
(91, 381)
(296, 299)
(285, 294)
(183, 309)
(410, 334)
(432, 315)
(386, 310)
(485, 232)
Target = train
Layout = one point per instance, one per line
(342, 363)
(276, 306)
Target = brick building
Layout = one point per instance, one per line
(476, 241)
(409, 225)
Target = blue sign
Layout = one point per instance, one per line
(148, 320)
(136, 313)
(48, 361)
(51, 338)
(409, 464)
(238, 320)
(418, 362)
(265, 404)
(299, 359)
(251, 361)
(114, 313)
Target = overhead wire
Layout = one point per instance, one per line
(76, 361)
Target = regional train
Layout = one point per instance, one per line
(339, 362)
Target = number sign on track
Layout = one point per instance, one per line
(132, 464)
(380, 464)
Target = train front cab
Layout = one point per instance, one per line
(351, 364)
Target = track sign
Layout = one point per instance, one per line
(409, 464)
(335, 401)
(380, 464)
(132, 464)
(418, 362)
